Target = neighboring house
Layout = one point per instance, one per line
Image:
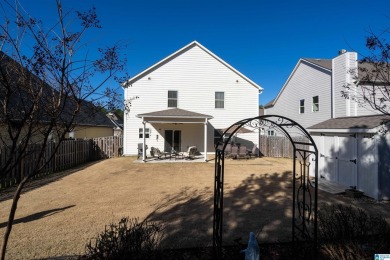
(306, 95)
(88, 123)
(347, 134)
(118, 122)
(185, 100)
(91, 123)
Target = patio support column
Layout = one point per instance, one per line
(143, 142)
(205, 140)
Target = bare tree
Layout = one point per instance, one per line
(371, 86)
(45, 82)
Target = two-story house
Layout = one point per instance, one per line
(347, 132)
(185, 100)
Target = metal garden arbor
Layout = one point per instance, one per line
(304, 211)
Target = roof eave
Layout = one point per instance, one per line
(191, 117)
(317, 65)
(344, 130)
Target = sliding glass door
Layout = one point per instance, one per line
(172, 140)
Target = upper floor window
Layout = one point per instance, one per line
(301, 106)
(172, 98)
(147, 133)
(316, 104)
(219, 99)
(271, 132)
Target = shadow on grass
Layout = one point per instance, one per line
(33, 184)
(37, 215)
(259, 204)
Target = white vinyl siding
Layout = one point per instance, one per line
(338, 154)
(196, 76)
(305, 82)
(219, 99)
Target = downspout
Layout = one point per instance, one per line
(143, 142)
(205, 140)
(348, 83)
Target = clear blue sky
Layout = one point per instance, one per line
(262, 39)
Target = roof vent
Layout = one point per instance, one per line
(342, 51)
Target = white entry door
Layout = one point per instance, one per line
(346, 160)
(328, 158)
(337, 159)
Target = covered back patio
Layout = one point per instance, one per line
(179, 128)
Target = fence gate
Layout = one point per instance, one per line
(304, 191)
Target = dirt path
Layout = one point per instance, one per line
(59, 218)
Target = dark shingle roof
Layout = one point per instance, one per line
(325, 63)
(92, 116)
(269, 104)
(115, 119)
(373, 72)
(175, 112)
(20, 100)
(365, 122)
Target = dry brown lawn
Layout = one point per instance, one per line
(61, 214)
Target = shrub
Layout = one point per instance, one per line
(338, 222)
(346, 232)
(129, 239)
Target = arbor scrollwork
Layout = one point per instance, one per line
(305, 187)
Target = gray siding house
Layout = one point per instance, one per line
(351, 138)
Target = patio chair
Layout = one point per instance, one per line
(234, 152)
(140, 150)
(228, 150)
(152, 152)
(252, 152)
(190, 154)
(161, 154)
(242, 152)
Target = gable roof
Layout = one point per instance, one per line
(269, 104)
(325, 63)
(178, 53)
(319, 63)
(90, 115)
(175, 113)
(355, 122)
(115, 119)
(373, 72)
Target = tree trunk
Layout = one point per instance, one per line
(12, 216)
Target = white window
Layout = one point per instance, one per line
(301, 106)
(271, 132)
(316, 104)
(147, 133)
(219, 99)
(172, 98)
